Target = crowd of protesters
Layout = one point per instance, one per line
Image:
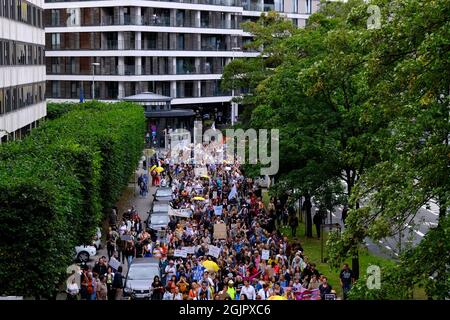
(221, 194)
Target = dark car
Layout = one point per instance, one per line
(163, 194)
(139, 278)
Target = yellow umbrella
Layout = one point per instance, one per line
(159, 169)
(276, 298)
(153, 167)
(211, 265)
(205, 177)
(199, 198)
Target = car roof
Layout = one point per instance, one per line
(163, 202)
(145, 261)
(164, 189)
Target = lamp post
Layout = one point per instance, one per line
(94, 64)
(7, 134)
(233, 104)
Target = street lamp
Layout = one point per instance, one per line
(7, 134)
(94, 64)
(233, 104)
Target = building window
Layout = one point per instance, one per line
(56, 40)
(308, 6)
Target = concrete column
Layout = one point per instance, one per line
(137, 14)
(121, 66)
(173, 89)
(138, 65)
(197, 65)
(121, 90)
(198, 18)
(174, 65)
(199, 88)
(121, 15)
(228, 20)
(138, 40)
(121, 40)
(173, 17)
(261, 5)
(199, 42)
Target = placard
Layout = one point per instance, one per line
(213, 251)
(214, 194)
(180, 253)
(114, 263)
(265, 254)
(220, 231)
(218, 210)
(199, 172)
(189, 250)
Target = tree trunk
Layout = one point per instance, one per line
(355, 253)
(308, 206)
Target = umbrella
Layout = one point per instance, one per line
(276, 298)
(211, 265)
(159, 169)
(153, 167)
(199, 198)
(204, 177)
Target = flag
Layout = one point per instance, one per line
(81, 94)
(233, 192)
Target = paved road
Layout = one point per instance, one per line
(414, 231)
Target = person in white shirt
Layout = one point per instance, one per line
(248, 290)
(170, 270)
(72, 289)
(265, 292)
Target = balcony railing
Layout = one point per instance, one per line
(158, 21)
(143, 45)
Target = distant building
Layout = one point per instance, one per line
(175, 48)
(22, 67)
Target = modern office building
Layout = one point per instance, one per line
(175, 48)
(22, 67)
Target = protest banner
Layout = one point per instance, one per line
(180, 253)
(213, 251)
(265, 254)
(183, 213)
(114, 263)
(189, 250)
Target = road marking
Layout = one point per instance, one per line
(380, 241)
(333, 214)
(416, 231)
(387, 247)
(396, 254)
(430, 224)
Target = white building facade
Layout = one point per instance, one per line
(176, 48)
(22, 67)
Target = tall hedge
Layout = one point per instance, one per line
(54, 186)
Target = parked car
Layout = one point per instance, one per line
(163, 194)
(139, 278)
(97, 240)
(83, 253)
(159, 207)
(158, 221)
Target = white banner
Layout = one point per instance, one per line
(213, 251)
(183, 213)
(180, 253)
(218, 210)
(189, 250)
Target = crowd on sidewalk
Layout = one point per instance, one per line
(251, 261)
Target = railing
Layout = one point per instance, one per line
(157, 21)
(143, 45)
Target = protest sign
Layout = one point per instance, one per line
(213, 251)
(114, 263)
(183, 213)
(220, 231)
(189, 250)
(218, 210)
(265, 254)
